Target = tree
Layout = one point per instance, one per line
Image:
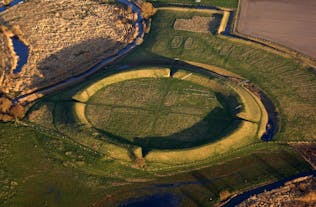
(17, 111)
(5, 117)
(147, 10)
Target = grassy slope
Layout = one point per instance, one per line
(219, 3)
(253, 166)
(41, 170)
(291, 86)
(39, 179)
(37, 171)
(63, 120)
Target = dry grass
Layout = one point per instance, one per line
(8, 57)
(224, 195)
(198, 79)
(224, 22)
(147, 10)
(264, 117)
(196, 24)
(308, 198)
(80, 111)
(251, 110)
(64, 39)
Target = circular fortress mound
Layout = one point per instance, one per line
(149, 114)
(65, 38)
(163, 113)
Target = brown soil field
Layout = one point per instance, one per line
(196, 24)
(65, 38)
(290, 23)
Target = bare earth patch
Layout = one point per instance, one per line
(65, 38)
(290, 23)
(196, 24)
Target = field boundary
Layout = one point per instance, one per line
(277, 47)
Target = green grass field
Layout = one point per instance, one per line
(41, 169)
(218, 3)
(290, 85)
(160, 113)
(57, 165)
(158, 118)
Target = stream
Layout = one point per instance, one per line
(245, 195)
(15, 2)
(21, 50)
(167, 199)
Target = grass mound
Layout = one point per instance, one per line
(166, 117)
(162, 113)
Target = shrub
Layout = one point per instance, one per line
(224, 195)
(147, 10)
(5, 104)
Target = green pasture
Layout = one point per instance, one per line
(58, 164)
(161, 113)
(158, 118)
(289, 84)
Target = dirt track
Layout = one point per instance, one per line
(291, 23)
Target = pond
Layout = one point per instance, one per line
(20, 48)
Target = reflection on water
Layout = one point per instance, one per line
(156, 200)
(3, 8)
(22, 51)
